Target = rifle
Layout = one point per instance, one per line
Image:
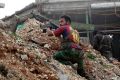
(42, 18)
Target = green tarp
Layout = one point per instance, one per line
(20, 26)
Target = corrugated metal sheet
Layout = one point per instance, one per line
(105, 5)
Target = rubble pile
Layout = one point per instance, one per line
(99, 68)
(28, 56)
(32, 32)
(31, 27)
(24, 60)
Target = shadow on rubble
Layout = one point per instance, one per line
(3, 70)
(83, 74)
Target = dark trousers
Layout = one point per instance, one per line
(106, 51)
(116, 47)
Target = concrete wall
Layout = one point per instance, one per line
(65, 6)
(41, 1)
(65, 0)
(57, 0)
(26, 10)
(72, 0)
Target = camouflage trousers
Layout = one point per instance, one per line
(69, 56)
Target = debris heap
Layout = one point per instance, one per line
(27, 55)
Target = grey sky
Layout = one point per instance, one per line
(13, 5)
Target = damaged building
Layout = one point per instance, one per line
(27, 53)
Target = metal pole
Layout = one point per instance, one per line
(87, 20)
(90, 14)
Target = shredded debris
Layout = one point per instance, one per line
(27, 55)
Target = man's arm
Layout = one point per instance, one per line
(56, 32)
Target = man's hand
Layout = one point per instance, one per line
(50, 32)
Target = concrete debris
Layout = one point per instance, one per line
(63, 76)
(24, 57)
(30, 27)
(3, 25)
(47, 46)
(28, 56)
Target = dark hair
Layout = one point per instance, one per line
(67, 18)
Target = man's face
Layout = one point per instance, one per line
(62, 22)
